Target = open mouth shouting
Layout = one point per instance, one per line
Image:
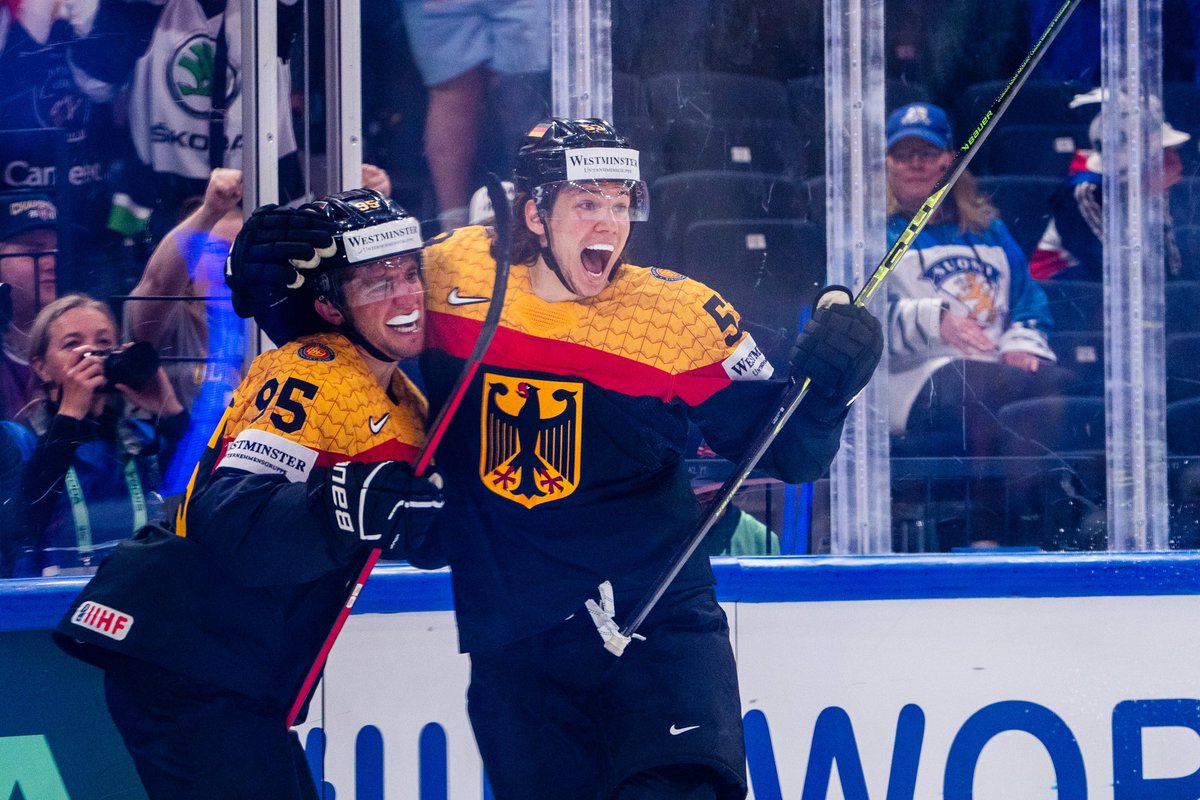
(595, 258)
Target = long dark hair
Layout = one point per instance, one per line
(526, 245)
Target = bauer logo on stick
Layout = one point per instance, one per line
(102, 619)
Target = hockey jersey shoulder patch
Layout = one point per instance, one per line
(103, 620)
(747, 362)
(265, 453)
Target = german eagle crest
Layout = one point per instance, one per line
(530, 438)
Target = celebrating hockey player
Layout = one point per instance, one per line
(566, 480)
(205, 633)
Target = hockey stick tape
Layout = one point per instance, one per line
(833, 296)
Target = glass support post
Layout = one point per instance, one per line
(1135, 413)
(259, 98)
(343, 92)
(581, 58)
(855, 234)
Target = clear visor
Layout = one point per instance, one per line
(591, 201)
(385, 279)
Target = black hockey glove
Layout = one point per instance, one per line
(837, 352)
(381, 505)
(272, 253)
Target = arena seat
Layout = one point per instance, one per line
(1024, 204)
(1183, 307)
(704, 95)
(688, 197)
(1082, 352)
(745, 144)
(769, 270)
(1054, 449)
(1183, 367)
(1036, 149)
(1075, 305)
(1040, 101)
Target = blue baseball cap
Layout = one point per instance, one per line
(24, 211)
(922, 120)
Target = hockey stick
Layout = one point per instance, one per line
(618, 641)
(503, 227)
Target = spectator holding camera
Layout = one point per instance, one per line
(93, 438)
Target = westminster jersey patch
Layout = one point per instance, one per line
(265, 453)
(530, 448)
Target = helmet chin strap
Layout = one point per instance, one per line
(351, 333)
(548, 256)
(347, 329)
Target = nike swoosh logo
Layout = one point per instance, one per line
(376, 427)
(676, 731)
(456, 299)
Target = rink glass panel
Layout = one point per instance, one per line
(727, 104)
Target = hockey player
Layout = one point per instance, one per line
(206, 634)
(568, 450)
(565, 471)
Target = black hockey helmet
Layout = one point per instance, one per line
(558, 151)
(370, 227)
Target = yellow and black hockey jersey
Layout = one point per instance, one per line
(244, 594)
(564, 463)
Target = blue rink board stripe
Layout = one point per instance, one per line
(37, 604)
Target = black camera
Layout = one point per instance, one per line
(133, 366)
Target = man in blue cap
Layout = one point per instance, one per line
(28, 244)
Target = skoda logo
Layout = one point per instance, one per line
(190, 75)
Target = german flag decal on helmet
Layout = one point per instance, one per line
(530, 447)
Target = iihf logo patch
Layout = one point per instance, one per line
(102, 619)
(315, 351)
(530, 450)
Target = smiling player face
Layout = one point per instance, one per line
(385, 300)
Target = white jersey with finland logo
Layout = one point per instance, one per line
(171, 96)
(983, 276)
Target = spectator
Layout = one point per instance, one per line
(61, 132)
(968, 325)
(12, 510)
(28, 245)
(467, 52)
(190, 262)
(183, 60)
(1072, 247)
(103, 419)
